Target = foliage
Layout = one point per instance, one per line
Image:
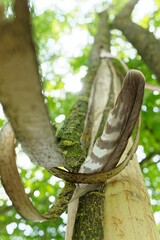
(50, 31)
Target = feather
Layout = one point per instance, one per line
(119, 126)
(109, 148)
(120, 123)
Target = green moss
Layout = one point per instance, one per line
(68, 143)
(89, 220)
(61, 204)
(69, 136)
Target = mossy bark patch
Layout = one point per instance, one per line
(89, 220)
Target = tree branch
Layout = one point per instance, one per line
(152, 87)
(70, 134)
(21, 91)
(101, 39)
(143, 40)
(21, 10)
(1, 12)
(127, 10)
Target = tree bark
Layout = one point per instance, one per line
(120, 209)
(128, 212)
(21, 91)
(91, 210)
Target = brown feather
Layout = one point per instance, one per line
(132, 96)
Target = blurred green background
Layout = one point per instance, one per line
(63, 34)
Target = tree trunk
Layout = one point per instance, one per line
(128, 212)
(120, 209)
